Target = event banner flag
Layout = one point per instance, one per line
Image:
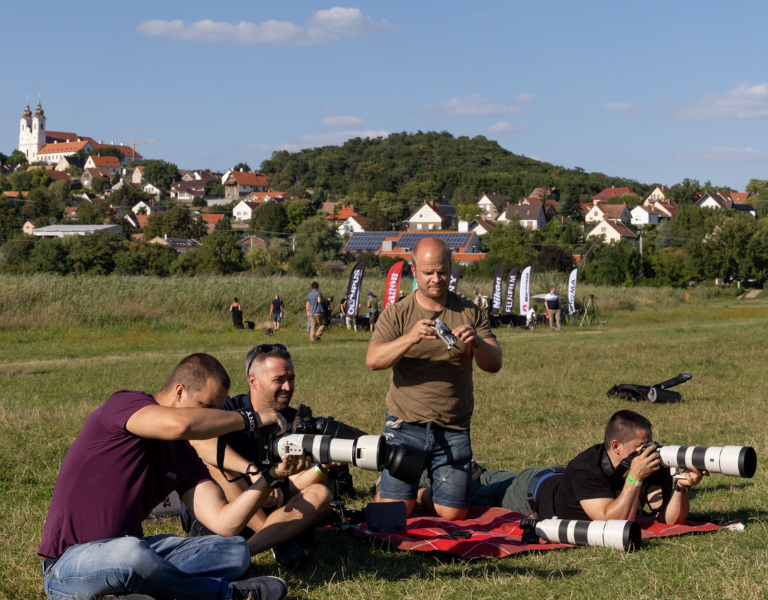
(455, 272)
(509, 300)
(353, 291)
(525, 292)
(393, 283)
(498, 280)
(572, 292)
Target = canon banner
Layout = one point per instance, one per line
(572, 292)
(525, 292)
(353, 291)
(498, 279)
(455, 272)
(509, 299)
(392, 284)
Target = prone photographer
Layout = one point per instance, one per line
(131, 453)
(295, 504)
(611, 480)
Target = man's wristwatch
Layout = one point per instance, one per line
(681, 489)
(272, 482)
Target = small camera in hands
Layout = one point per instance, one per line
(444, 333)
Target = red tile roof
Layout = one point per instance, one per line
(740, 197)
(343, 214)
(63, 148)
(612, 192)
(253, 179)
(143, 220)
(212, 219)
(613, 211)
(104, 162)
(98, 173)
(622, 229)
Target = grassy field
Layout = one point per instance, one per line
(546, 405)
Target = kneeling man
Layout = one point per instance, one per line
(131, 453)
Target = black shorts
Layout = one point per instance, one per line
(374, 317)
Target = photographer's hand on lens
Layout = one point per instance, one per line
(645, 464)
(422, 331)
(692, 477)
(292, 464)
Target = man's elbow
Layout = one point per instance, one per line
(179, 428)
(371, 363)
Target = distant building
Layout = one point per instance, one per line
(65, 230)
(428, 218)
(465, 247)
(239, 183)
(718, 200)
(179, 244)
(531, 216)
(492, 204)
(599, 211)
(28, 228)
(90, 174)
(612, 231)
(109, 163)
(354, 224)
(613, 192)
(645, 215)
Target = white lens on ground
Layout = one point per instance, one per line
(616, 534)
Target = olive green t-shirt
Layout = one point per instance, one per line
(373, 303)
(431, 384)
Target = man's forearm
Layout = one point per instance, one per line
(383, 355)
(676, 510)
(207, 450)
(488, 356)
(624, 508)
(239, 512)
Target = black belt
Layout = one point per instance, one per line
(48, 563)
(535, 482)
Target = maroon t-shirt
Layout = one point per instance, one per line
(111, 480)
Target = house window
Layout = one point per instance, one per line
(431, 226)
(602, 229)
(418, 226)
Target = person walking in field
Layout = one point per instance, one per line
(237, 314)
(316, 312)
(373, 309)
(552, 300)
(276, 311)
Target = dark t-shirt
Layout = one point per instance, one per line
(584, 479)
(276, 306)
(343, 307)
(111, 480)
(245, 443)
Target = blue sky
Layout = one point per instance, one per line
(654, 91)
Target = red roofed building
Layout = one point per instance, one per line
(343, 214)
(599, 211)
(211, 221)
(90, 174)
(110, 163)
(608, 193)
(612, 231)
(239, 183)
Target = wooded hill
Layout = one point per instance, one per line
(401, 167)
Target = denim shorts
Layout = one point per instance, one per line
(449, 453)
(277, 318)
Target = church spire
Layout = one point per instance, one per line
(27, 113)
(39, 110)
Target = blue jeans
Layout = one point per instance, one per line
(161, 566)
(449, 453)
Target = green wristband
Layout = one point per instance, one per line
(479, 343)
(633, 481)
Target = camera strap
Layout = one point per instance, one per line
(221, 448)
(620, 470)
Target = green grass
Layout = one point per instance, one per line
(546, 405)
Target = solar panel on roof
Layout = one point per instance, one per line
(366, 242)
(454, 240)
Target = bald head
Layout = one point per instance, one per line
(431, 249)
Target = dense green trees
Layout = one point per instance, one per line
(269, 219)
(159, 172)
(176, 223)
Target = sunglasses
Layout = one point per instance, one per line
(261, 348)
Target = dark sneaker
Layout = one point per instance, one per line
(259, 588)
(477, 470)
(290, 556)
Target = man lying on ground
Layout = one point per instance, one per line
(594, 486)
(131, 453)
(298, 502)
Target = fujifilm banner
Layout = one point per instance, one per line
(572, 292)
(525, 292)
(455, 272)
(353, 291)
(509, 300)
(498, 279)
(393, 284)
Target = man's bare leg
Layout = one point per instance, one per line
(424, 500)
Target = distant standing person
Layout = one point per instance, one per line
(476, 298)
(276, 311)
(237, 314)
(316, 312)
(552, 300)
(343, 313)
(373, 309)
(401, 296)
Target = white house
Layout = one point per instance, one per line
(428, 218)
(724, 200)
(491, 204)
(240, 183)
(644, 215)
(599, 211)
(531, 216)
(354, 224)
(244, 210)
(149, 209)
(612, 231)
(480, 226)
(656, 195)
(109, 163)
(152, 190)
(138, 174)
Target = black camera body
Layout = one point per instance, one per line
(307, 423)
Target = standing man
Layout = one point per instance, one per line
(373, 309)
(131, 453)
(552, 300)
(430, 400)
(350, 320)
(276, 311)
(316, 312)
(475, 298)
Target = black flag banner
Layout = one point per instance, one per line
(498, 279)
(455, 272)
(353, 291)
(509, 300)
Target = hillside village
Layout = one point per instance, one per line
(58, 184)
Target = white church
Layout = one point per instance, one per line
(40, 145)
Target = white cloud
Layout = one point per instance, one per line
(472, 105)
(325, 27)
(529, 98)
(624, 107)
(350, 21)
(335, 138)
(742, 102)
(504, 127)
(726, 154)
(345, 121)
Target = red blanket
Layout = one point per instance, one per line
(495, 534)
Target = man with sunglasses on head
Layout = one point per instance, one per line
(295, 504)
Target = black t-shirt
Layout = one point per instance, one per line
(584, 479)
(244, 443)
(276, 304)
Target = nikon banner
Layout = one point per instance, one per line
(572, 292)
(498, 280)
(525, 292)
(455, 272)
(509, 300)
(392, 284)
(353, 291)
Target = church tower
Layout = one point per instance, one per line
(32, 134)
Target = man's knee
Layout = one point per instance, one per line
(449, 513)
(318, 496)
